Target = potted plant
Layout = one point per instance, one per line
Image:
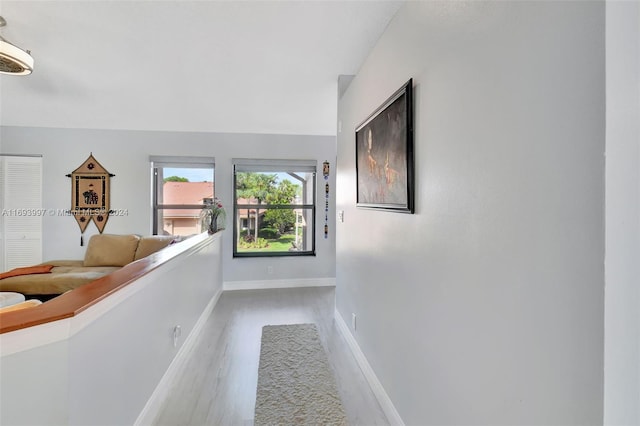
(213, 216)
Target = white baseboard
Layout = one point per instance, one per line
(379, 392)
(266, 284)
(153, 405)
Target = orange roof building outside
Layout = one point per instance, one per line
(184, 221)
(185, 193)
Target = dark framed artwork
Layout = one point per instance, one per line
(384, 155)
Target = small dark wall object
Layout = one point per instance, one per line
(325, 170)
(325, 173)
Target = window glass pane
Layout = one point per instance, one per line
(186, 186)
(182, 222)
(274, 188)
(274, 212)
(180, 190)
(189, 173)
(278, 230)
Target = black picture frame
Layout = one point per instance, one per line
(384, 155)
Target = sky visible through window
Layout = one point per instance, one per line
(206, 175)
(194, 175)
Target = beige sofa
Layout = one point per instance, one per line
(105, 253)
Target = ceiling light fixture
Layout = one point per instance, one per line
(14, 60)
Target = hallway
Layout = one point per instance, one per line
(218, 385)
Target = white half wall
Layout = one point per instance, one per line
(622, 296)
(487, 305)
(126, 154)
(101, 366)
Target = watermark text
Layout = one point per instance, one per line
(31, 212)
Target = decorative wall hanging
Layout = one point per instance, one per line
(90, 199)
(384, 155)
(325, 173)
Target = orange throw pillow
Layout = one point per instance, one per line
(39, 269)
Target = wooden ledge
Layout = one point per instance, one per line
(75, 301)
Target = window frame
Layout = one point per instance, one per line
(185, 162)
(275, 166)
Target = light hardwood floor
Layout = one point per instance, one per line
(218, 383)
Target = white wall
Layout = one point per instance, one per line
(622, 297)
(126, 154)
(101, 366)
(486, 306)
(26, 374)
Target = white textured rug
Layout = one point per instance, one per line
(295, 382)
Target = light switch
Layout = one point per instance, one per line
(341, 216)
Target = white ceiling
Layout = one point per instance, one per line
(216, 66)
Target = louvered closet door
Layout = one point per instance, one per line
(21, 180)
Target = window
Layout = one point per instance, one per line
(181, 186)
(274, 209)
